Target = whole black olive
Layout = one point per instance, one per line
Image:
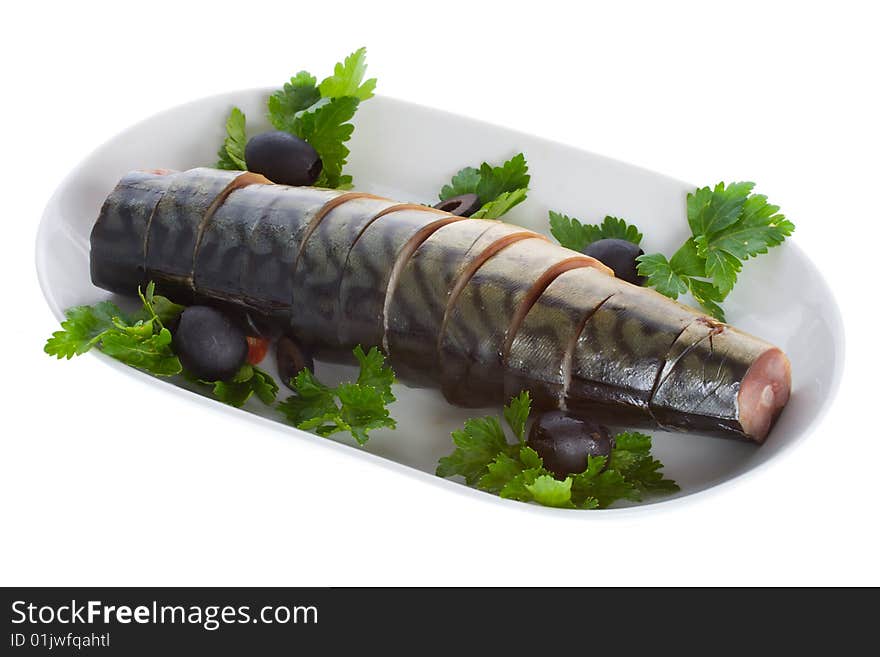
(620, 255)
(209, 344)
(462, 206)
(565, 442)
(291, 357)
(283, 158)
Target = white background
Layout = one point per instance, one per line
(107, 480)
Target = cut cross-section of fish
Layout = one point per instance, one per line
(727, 381)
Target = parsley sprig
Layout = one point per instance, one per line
(572, 234)
(231, 153)
(249, 381)
(140, 340)
(357, 407)
(513, 470)
(499, 188)
(320, 114)
(143, 340)
(729, 224)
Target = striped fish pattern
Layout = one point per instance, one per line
(481, 309)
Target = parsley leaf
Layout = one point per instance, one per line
(225, 162)
(464, 182)
(485, 459)
(759, 227)
(231, 154)
(374, 373)
(83, 328)
(327, 129)
(499, 472)
(247, 382)
(140, 341)
(151, 353)
(501, 205)
(477, 445)
(312, 406)
(599, 487)
(347, 78)
(661, 276)
(357, 408)
(729, 225)
(286, 104)
(631, 456)
(572, 234)
(363, 409)
(499, 188)
(157, 307)
(711, 210)
(549, 491)
(509, 177)
(516, 414)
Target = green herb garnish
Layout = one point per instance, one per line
(249, 381)
(486, 460)
(327, 129)
(317, 113)
(348, 78)
(356, 407)
(141, 340)
(498, 188)
(572, 234)
(231, 153)
(729, 224)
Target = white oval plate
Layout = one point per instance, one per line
(407, 152)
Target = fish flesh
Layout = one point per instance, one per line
(481, 309)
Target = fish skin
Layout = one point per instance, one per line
(419, 301)
(368, 268)
(632, 356)
(224, 250)
(539, 358)
(620, 353)
(274, 244)
(319, 271)
(118, 237)
(174, 228)
(470, 347)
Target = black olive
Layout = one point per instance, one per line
(462, 206)
(620, 255)
(209, 344)
(283, 158)
(291, 358)
(565, 442)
